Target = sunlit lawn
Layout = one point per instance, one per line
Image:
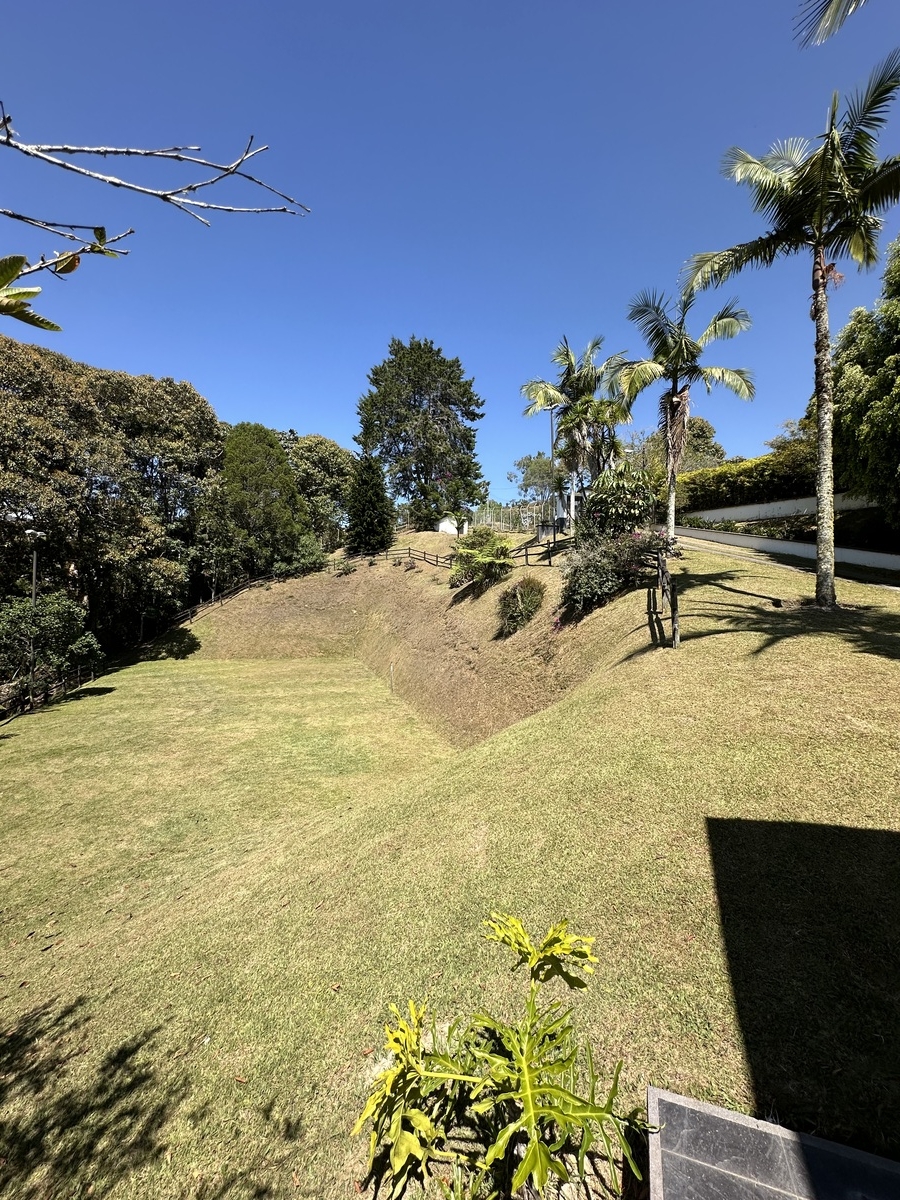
(216, 875)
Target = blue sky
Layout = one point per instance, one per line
(490, 175)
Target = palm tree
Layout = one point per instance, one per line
(675, 361)
(825, 202)
(819, 19)
(580, 379)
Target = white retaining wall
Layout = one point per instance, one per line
(779, 508)
(860, 558)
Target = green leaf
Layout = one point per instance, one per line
(11, 268)
(405, 1147)
(100, 235)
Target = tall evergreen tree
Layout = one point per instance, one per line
(370, 512)
(419, 419)
(267, 513)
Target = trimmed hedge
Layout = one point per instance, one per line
(786, 474)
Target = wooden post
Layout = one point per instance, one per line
(526, 555)
(673, 605)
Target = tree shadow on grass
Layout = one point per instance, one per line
(810, 919)
(869, 630)
(176, 643)
(83, 693)
(65, 1131)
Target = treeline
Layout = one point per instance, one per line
(139, 501)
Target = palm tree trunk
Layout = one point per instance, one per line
(572, 478)
(825, 594)
(670, 511)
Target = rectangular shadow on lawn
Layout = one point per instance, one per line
(811, 924)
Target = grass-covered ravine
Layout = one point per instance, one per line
(219, 869)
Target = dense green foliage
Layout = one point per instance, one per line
(126, 477)
(323, 473)
(267, 514)
(603, 568)
(619, 501)
(418, 417)
(867, 397)
(51, 635)
(519, 603)
(502, 1103)
(370, 513)
(785, 474)
(481, 558)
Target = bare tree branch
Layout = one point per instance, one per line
(180, 197)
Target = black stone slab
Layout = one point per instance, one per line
(702, 1152)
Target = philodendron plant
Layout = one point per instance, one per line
(492, 1106)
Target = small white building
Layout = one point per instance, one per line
(448, 525)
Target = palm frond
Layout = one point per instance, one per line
(881, 190)
(712, 268)
(728, 322)
(737, 380)
(649, 311)
(867, 111)
(542, 395)
(819, 19)
(635, 376)
(563, 356)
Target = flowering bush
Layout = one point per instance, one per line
(604, 568)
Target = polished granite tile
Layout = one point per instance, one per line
(702, 1152)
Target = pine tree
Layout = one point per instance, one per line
(419, 419)
(369, 509)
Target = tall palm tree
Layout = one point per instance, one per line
(819, 19)
(824, 201)
(580, 379)
(675, 361)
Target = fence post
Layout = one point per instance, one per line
(673, 606)
(527, 563)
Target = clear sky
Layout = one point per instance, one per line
(490, 175)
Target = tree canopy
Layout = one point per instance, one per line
(266, 511)
(867, 396)
(323, 473)
(419, 419)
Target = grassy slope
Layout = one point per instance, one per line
(246, 861)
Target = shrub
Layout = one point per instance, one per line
(619, 501)
(519, 603)
(482, 558)
(409, 565)
(501, 1105)
(345, 567)
(307, 558)
(605, 568)
(786, 474)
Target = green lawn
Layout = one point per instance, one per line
(217, 874)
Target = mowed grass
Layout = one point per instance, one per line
(217, 875)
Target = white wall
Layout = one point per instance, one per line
(779, 508)
(860, 558)
(448, 525)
